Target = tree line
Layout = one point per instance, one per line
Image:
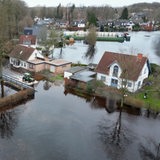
(15, 14)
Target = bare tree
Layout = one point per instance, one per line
(91, 41)
(27, 21)
(11, 13)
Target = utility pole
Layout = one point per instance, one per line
(1, 79)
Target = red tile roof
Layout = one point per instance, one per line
(21, 52)
(131, 65)
(25, 39)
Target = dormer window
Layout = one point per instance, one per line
(115, 71)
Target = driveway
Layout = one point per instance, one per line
(7, 71)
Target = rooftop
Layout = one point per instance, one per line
(76, 69)
(84, 76)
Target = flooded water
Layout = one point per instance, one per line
(57, 125)
(141, 42)
(8, 91)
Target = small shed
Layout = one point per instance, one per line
(84, 76)
(68, 73)
(59, 65)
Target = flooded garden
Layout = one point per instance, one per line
(58, 124)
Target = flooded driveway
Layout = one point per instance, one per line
(57, 125)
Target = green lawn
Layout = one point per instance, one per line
(152, 89)
(55, 78)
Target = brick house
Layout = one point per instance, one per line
(28, 40)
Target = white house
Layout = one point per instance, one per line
(122, 70)
(28, 58)
(20, 56)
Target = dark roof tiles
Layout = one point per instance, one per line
(27, 39)
(22, 52)
(131, 65)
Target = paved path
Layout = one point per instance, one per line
(9, 72)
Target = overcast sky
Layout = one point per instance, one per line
(112, 3)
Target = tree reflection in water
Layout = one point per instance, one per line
(8, 123)
(150, 151)
(115, 136)
(46, 85)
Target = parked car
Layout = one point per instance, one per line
(27, 77)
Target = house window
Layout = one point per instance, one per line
(16, 62)
(139, 84)
(31, 66)
(103, 78)
(145, 70)
(129, 84)
(114, 82)
(115, 71)
(27, 42)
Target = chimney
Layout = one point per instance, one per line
(139, 56)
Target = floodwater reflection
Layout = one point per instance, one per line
(62, 125)
(8, 122)
(150, 151)
(108, 103)
(115, 131)
(115, 136)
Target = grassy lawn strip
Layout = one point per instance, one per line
(152, 101)
(55, 78)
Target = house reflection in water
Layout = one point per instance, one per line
(108, 103)
(111, 105)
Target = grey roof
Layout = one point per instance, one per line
(83, 76)
(76, 69)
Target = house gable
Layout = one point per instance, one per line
(21, 52)
(27, 40)
(35, 54)
(115, 69)
(131, 65)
